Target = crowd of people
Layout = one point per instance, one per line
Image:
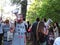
(45, 32)
(41, 32)
(13, 33)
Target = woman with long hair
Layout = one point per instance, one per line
(56, 30)
(41, 33)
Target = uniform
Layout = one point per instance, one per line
(6, 28)
(19, 35)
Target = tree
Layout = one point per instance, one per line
(24, 8)
(44, 8)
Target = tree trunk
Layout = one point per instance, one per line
(24, 8)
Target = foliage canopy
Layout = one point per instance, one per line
(44, 8)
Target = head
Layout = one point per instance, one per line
(56, 24)
(27, 22)
(41, 26)
(37, 19)
(44, 20)
(7, 21)
(20, 18)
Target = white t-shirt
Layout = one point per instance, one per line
(20, 27)
(57, 41)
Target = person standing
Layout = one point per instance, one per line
(6, 28)
(56, 30)
(51, 35)
(28, 32)
(1, 31)
(47, 26)
(19, 32)
(46, 29)
(41, 33)
(33, 31)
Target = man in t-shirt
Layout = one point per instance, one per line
(20, 30)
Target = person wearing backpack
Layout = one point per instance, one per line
(41, 33)
(19, 32)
